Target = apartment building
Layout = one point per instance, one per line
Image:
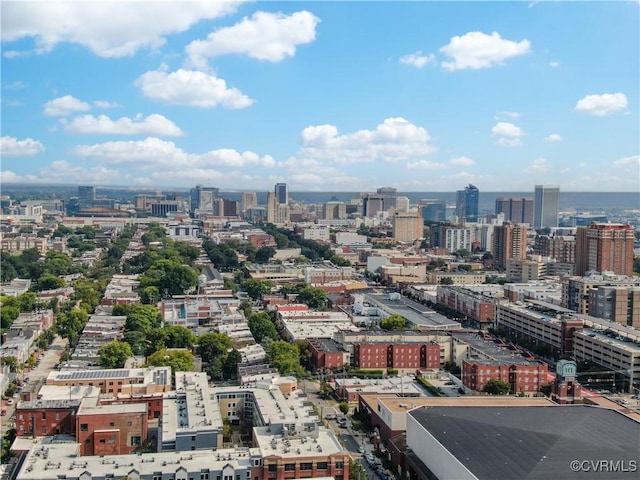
(476, 306)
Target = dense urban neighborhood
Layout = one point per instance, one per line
(223, 339)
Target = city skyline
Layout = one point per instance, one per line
(322, 96)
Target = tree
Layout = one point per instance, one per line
(49, 281)
(212, 345)
(304, 353)
(114, 354)
(70, 325)
(150, 295)
(281, 240)
(446, 281)
(394, 322)
(8, 314)
(256, 288)
(284, 356)
(262, 327)
(142, 318)
(463, 252)
(340, 261)
(230, 365)
(246, 308)
(546, 388)
(496, 386)
(177, 336)
(178, 360)
(344, 407)
(170, 277)
(313, 297)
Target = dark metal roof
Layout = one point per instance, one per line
(497, 443)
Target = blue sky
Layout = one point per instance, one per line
(329, 96)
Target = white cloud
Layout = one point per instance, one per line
(508, 134)
(462, 161)
(502, 114)
(395, 140)
(18, 85)
(539, 165)
(554, 64)
(425, 165)
(7, 176)
(190, 88)
(633, 160)
(265, 36)
(108, 29)
(154, 153)
(601, 105)
(154, 124)
(12, 147)
(105, 104)
(478, 50)
(554, 137)
(63, 106)
(417, 59)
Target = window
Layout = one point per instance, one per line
(289, 467)
(306, 466)
(273, 467)
(339, 465)
(204, 476)
(112, 424)
(322, 465)
(102, 440)
(84, 427)
(129, 424)
(157, 477)
(44, 415)
(57, 415)
(136, 440)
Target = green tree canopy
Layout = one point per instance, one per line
(70, 325)
(285, 357)
(256, 289)
(177, 336)
(262, 327)
(496, 386)
(212, 345)
(394, 322)
(142, 318)
(314, 297)
(178, 360)
(170, 277)
(150, 295)
(344, 407)
(446, 281)
(48, 281)
(114, 354)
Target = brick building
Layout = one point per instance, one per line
(605, 247)
(398, 356)
(327, 354)
(117, 429)
(46, 417)
(523, 376)
(478, 308)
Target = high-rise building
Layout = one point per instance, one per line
(605, 247)
(249, 199)
(372, 204)
(282, 193)
(433, 210)
(334, 211)
(204, 198)
(407, 226)
(467, 204)
(509, 243)
(546, 206)
(86, 196)
(519, 210)
(276, 212)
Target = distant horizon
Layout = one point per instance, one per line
(234, 190)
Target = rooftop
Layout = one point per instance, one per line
(541, 442)
(414, 312)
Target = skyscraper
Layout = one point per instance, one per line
(407, 226)
(467, 204)
(605, 247)
(519, 210)
(546, 206)
(282, 193)
(509, 243)
(86, 196)
(203, 198)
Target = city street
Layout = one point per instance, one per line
(34, 378)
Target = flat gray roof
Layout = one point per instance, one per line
(415, 312)
(497, 443)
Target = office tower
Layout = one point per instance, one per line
(403, 204)
(334, 211)
(249, 199)
(433, 210)
(204, 198)
(605, 247)
(509, 243)
(229, 208)
(518, 210)
(407, 226)
(559, 247)
(282, 193)
(372, 204)
(86, 196)
(390, 196)
(467, 204)
(546, 206)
